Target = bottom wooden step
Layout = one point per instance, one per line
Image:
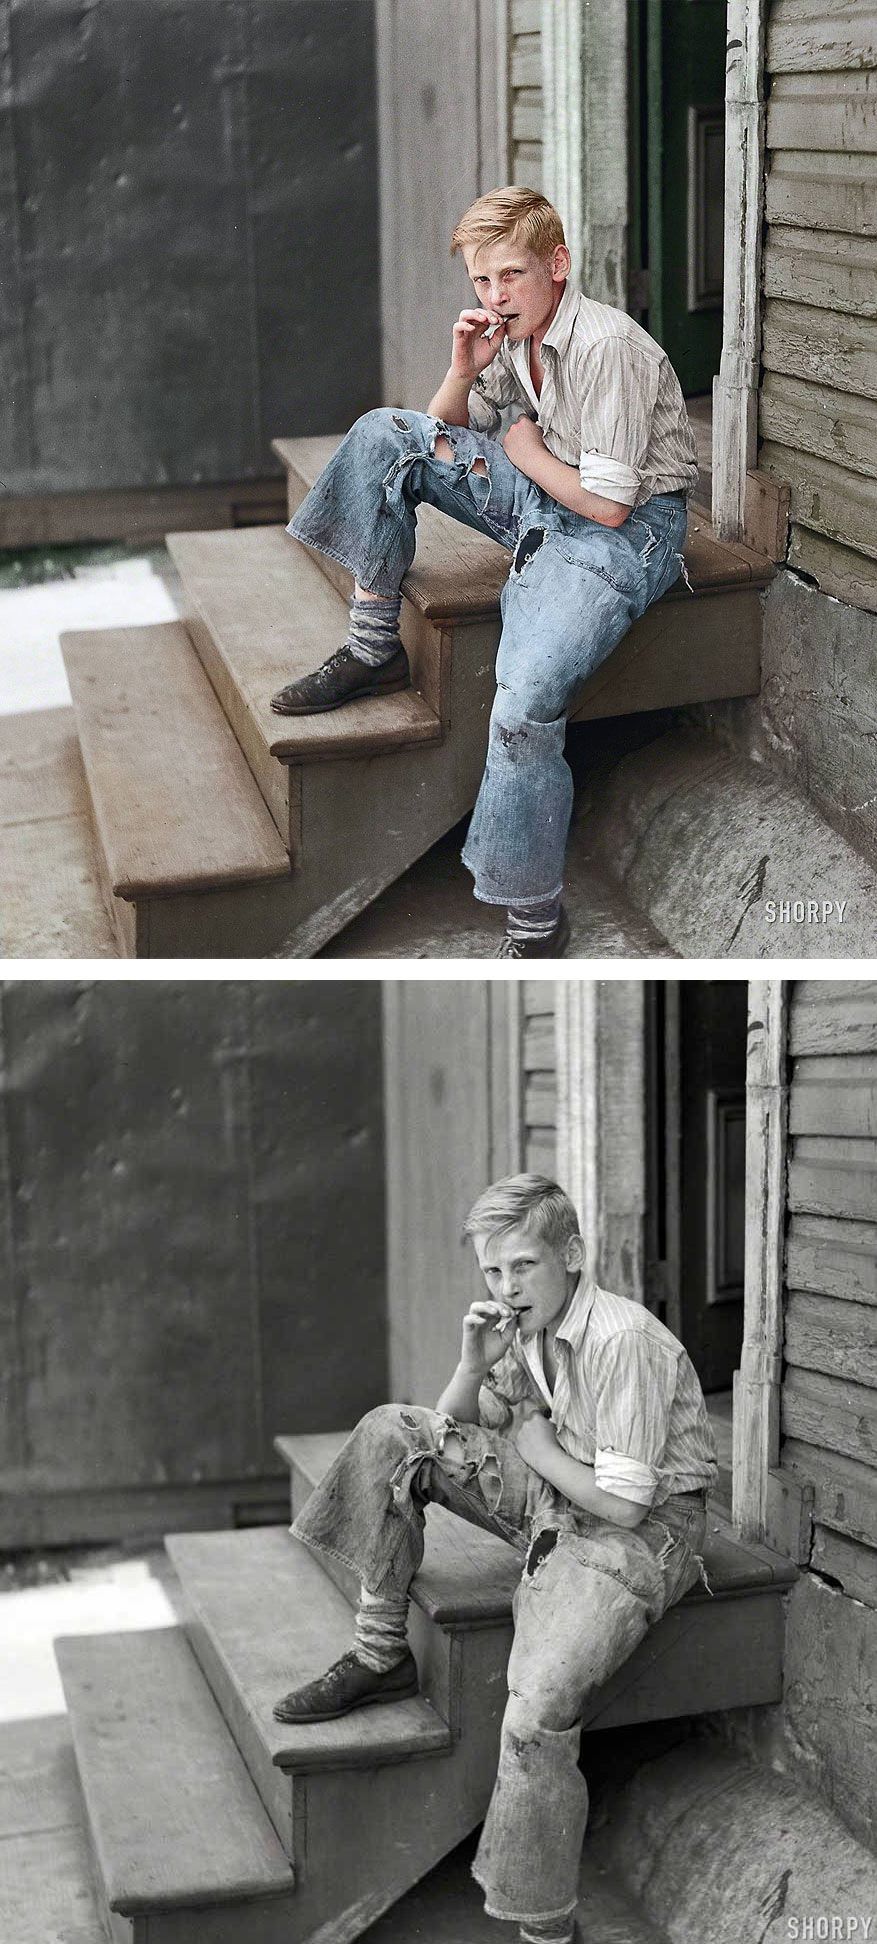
(184, 1850)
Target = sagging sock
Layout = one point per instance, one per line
(373, 630)
(536, 921)
(381, 1637)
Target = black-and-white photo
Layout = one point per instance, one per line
(438, 1461)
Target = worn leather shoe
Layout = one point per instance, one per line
(554, 946)
(348, 1684)
(343, 678)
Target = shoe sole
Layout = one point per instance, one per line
(336, 1714)
(356, 695)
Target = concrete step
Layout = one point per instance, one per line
(698, 643)
(261, 614)
(185, 1853)
(190, 859)
(363, 1806)
(714, 1649)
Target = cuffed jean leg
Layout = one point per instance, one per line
(574, 1626)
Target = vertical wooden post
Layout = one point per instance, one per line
(735, 390)
(506, 1078)
(601, 1149)
(495, 95)
(585, 137)
(757, 1382)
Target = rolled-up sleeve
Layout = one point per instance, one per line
(635, 1383)
(618, 388)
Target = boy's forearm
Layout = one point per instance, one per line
(578, 1483)
(459, 1399)
(451, 401)
(565, 486)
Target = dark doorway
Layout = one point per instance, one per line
(677, 180)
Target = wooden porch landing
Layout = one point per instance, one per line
(187, 767)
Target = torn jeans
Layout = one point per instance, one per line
(589, 1590)
(573, 591)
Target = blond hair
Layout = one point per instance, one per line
(524, 1198)
(520, 214)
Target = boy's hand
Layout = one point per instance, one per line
(536, 1440)
(522, 441)
(472, 352)
(484, 1340)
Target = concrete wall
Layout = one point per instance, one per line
(191, 1231)
(188, 236)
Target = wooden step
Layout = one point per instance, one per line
(712, 1650)
(179, 819)
(261, 614)
(694, 645)
(363, 1806)
(185, 1851)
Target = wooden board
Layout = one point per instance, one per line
(265, 615)
(175, 805)
(266, 1620)
(838, 570)
(829, 269)
(830, 1412)
(837, 1338)
(142, 517)
(827, 497)
(829, 1174)
(845, 1498)
(832, 1256)
(823, 111)
(820, 191)
(818, 345)
(51, 905)
(834, 1095)
(174, 1816)
(853, 1565)
(821, 39)
(833, 1016)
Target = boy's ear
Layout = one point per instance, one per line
(575, 1252)
(561, 263)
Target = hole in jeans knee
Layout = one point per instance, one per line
(443, 449)
(541, 1549)
(527, 546)
(480, 466)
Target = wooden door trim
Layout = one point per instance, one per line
(756, 1418)
(735, 389)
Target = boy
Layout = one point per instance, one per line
(588, 492)
(575, 1427)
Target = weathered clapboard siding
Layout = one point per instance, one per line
(540, 1077)
(819, 349)
(829, 1391)
(525, 92)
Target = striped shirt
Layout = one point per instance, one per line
(626, 1398)
(610, 404)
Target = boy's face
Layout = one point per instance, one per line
(511, 283)
(533, 1276)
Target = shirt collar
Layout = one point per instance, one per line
(560, 329)
(557, 335)
(575, 1323)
